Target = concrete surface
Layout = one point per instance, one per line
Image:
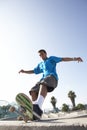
(46, 124)
(73, 121)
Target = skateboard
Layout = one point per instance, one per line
(25, 107)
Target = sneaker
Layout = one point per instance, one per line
(37, 112)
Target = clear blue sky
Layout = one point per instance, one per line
(60, 27)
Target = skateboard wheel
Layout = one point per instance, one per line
(12, 109)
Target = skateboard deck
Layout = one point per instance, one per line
(25, 102)
(25, 107)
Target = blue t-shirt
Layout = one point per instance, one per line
(48, 67)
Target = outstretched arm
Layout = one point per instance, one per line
(26, 71)
(79, 59)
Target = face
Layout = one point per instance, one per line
(43, 55)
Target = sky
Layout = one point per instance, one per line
(59, 27)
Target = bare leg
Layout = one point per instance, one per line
(37, 105)
(41, 96)
(43, 90)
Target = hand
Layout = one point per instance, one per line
(79, 59)
(21, 71)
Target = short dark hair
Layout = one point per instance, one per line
(42, 50)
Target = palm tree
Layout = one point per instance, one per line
(53, 102)
(72, 97)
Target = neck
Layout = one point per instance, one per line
(45, 58)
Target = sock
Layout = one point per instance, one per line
(39, 101)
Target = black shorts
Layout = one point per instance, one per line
(50, 81)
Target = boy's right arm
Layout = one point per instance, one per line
(26, 71)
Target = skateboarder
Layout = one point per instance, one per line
(49, 80)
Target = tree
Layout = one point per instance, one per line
(53, 102)
(80, 106)
(65, 108)
(72, 97)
